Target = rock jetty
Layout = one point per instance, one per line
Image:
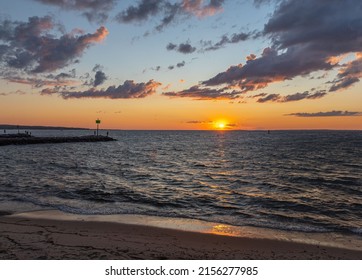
(25, 139)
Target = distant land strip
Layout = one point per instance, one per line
(22, 127)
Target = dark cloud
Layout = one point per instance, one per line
(3, 50)
(99, 78)
(97, 67)
(141, 12)
(62, 76)
(197, 122)
(169, 11)
(33, 49)
(344, 83)
(271, 67)
(333, 26)
(349, 75)
(306, 37)
(270, 97)
(327, 114)
(156, 68)
(128, 90)
(93, 10)
(51, 91)
(178, 65)
(184, 48)
(181, 64)
(171, 46)
(263, 98)
(235, 38)
(200, 93)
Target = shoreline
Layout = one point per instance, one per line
(56, 235)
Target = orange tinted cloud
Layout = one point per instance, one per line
(198, 8)
(98, 36)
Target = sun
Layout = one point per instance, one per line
(220, 125)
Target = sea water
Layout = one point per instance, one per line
(300, 181)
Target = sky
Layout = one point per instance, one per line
(182, 64)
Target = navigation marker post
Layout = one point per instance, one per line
(98, 121)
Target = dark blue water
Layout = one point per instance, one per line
(307, 181)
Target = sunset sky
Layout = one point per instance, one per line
(185, 64)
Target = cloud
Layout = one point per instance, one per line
(214, 124)
(327, 114)
(97, 67)
(62, 76)
(269, 97)
(184, 48)
(348, 75)
(171, 47)
(198, 122)
(93, 10)
(233, 39)
(99, 78)
(20, 92)
(181, 64)
(306, 37)
(129, 89)
(40, 82)
(31, 48)
(169, 11)
(141, 12)
(258, 3)
(263, 97)
(178, 65)
(197, 8)
(271, 67)
(318, 24)
(200, 93)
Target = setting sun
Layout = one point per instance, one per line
(220, 125)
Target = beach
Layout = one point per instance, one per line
(53, 235)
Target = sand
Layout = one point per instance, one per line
(48, 235)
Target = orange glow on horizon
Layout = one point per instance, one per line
(223, 124)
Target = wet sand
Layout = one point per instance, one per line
(51, 235)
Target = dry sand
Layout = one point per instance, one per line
(37, 237)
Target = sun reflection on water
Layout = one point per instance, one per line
(224, 230)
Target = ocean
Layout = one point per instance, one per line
(300, 181)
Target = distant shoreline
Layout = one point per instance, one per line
(38, 127)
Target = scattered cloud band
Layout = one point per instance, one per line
(327, 114)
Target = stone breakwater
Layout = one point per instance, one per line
(25, 140)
